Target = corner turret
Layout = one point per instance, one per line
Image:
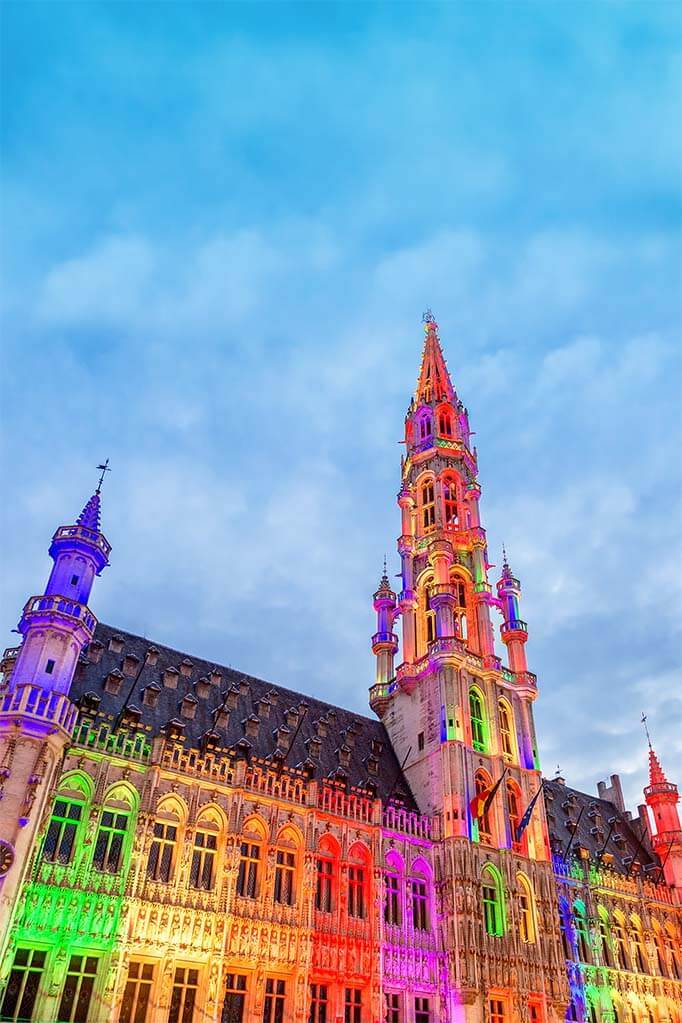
(513, 631)
(662, 798)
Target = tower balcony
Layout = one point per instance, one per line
(445, 646)
(379, 696)
(61, 607)
(508, 629)
(40, 711)
(663, 788)
(86, 535)
(387, 640)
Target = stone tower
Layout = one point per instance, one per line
(36, 716)
(666, 835)
(460, 721)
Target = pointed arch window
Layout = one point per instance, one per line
(428, 505)
(619, 946)
(493, 901)
(605, 935)
(672, 945)
(479, 724)
(425, 427)
(110, 841)
(514, 808)
(445, 423)
(506, 718)
(582, 933)
(460, 612)
(482, 826)
(163, 850)
(640, 958)
(202, 872)
(527, 929)
(249, 868)
(62, 830)
(429, 614)
(450, 508)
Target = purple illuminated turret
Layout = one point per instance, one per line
(58, 624)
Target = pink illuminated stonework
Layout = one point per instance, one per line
(183, 843)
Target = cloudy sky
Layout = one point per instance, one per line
(222, 225)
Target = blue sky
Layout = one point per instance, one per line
(222, 223)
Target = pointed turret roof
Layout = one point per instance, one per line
(434, 382)
(656, 772)
(90, 516)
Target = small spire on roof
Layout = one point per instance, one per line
(90, 516)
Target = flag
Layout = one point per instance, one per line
(525, 820)
(480, 804)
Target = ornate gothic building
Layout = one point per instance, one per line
(182, 843)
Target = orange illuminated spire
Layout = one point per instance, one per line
(434, 382)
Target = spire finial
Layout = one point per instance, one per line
(646, 728)
(505, 563)
(557, 773)
(429, 321)
(105, 468)
(384, 579)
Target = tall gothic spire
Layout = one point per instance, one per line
(434, 382)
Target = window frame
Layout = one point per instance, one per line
(77, 1013)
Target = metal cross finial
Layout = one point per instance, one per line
(646, 728)
(428, 316)
(105, 468)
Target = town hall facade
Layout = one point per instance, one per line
(183, 843)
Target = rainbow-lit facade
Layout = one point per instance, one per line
(180, 842)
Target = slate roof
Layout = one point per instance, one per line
(327, 735)
(564, 804)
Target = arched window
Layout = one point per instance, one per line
(68, 813)
(450, 509)
(285, 868)
(640, 956)
(526, 910)
(393, 882)
(251, 858)
(203, 869)
(620, 955)
(506, 719)
(479, 724)
(420, 897)
(460, 609)
(358, 878)
(672, 944)
(425, 427)
(493, 901)
(444, 423)
(605, 935)
(326, 875)
(582, 932)
(566, 928)
(429, 615)
(113, 831)
(483, 827)
(428, 505)
(514, 807)
(163, 850)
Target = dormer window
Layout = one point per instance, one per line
(188, 706)
(251, 725)
(344, 755)
(377, 747)
(95, 651)
(314, 745)
(170, 678)
(152, 656)
(202, 687)
(113, 682)
(186, 667)
(116, 644)
(263, 707)
(292, 717)
(130, 664)
(221, 716)
(150, 694)
(231, 697)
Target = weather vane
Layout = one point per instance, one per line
(646, 727)
(428, 316)
(104, 468)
